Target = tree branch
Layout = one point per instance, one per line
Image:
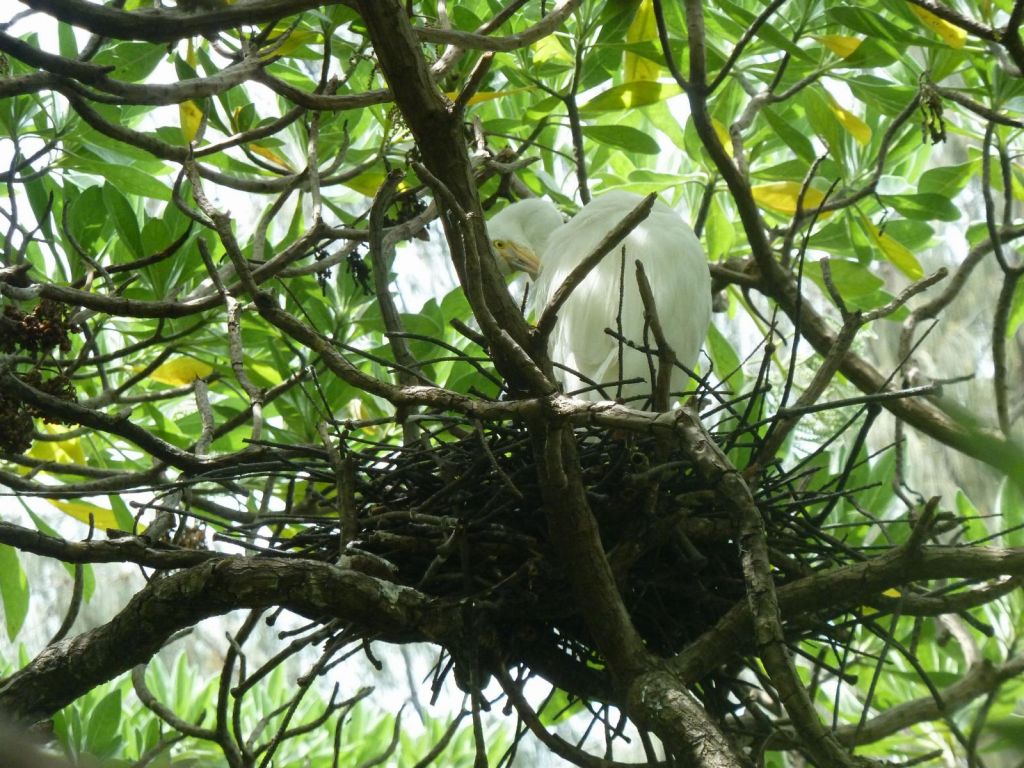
(164, 26)
(63, 672)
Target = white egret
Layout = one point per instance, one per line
(529, 236)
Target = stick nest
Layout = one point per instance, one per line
(458, 516)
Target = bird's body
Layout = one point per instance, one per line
(676, 269)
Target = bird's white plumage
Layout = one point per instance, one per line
(528, 222)
(676, 268)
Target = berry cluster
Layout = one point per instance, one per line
(16, 429)
(34, 335)
(39, 331)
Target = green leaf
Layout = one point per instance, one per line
(455, 305)
(766, 32)
(851, 278)
(964, 506)
(85, 226)
(725, 359)
(833, 236)
(39, 198)
(101, 736)
(794, 138)
(944, 60)
(245, 117)
(718, 231)
(67, 45)
(824, 123)
(877, 499)
(644, 182)
(185, 70)
(126, 178)
(123, 515)
(156, 235)
(542, 108)
(887, 97)
(872, 53)
(925, 207)
(662, 118)
(465, 19)
(125, 222)
(1010, 508)
(559, 708)
(1016, 317)
(947, 180)
(131, 61)
(630, 96)
(624, 137)
(14, 590)
(916, 235)
(871, 24)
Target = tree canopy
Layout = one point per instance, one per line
(224, 355)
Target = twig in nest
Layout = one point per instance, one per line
(666, 355)
(343, 480)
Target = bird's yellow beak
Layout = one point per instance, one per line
(517, 257)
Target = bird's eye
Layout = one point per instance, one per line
(499, 244)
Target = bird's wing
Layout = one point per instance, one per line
(681, 283)
(679, 277)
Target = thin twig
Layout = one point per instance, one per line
(548, 316)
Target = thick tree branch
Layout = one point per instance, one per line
(831, 593)
(131, 549)
(164, 26)
(317, 590)
(437, 128)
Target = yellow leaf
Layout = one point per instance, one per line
(644, 27)
(268, 373)
(357, 412)
(550, 48)
(631, 95)
(856, 127)
(81, 510)
(723, 135)
(58, 451)
(190, 54)
(896, 252)
(296, 39)
(482, 96)
(181, 371)
(191, 117)
(868, 610)
(369, 182)
(951, 34)
(782, 196)
(271, 155)
(366, 183)
(842, 46)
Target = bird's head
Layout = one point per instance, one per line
(515, 257)
(520, 232)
